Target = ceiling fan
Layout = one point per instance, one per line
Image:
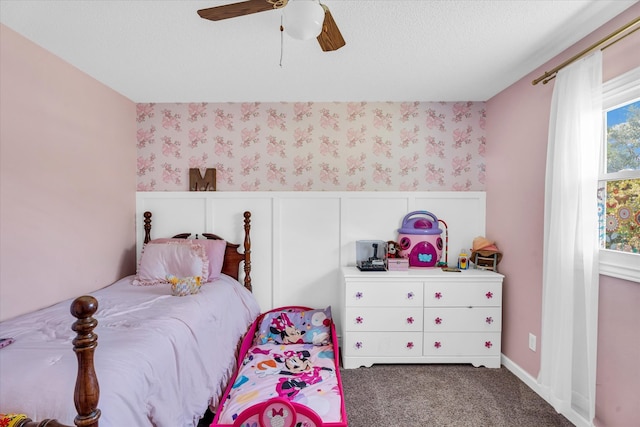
(329, 38)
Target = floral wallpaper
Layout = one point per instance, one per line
(354, 146)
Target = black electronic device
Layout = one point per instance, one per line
(371, 262)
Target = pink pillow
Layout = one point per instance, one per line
(159, 260)
(214, 249)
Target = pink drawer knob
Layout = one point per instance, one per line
(410, 320)
(359, 320)
(410, 295)
(438, 295)
(488, 344)
(410, 345)
(358, 345)
(489, 295)
(489, 320)
(438, 321)
(437, 344)
(359, 295)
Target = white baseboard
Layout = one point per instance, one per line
(577, 419)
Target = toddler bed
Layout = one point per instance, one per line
(288, 373)
(162, 358)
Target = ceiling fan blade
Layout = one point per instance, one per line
(233, 10)
(330, 38)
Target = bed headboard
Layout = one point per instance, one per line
(232, 257)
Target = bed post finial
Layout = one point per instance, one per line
(87, 391)
(147, 226)
(247, 251)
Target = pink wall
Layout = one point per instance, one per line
(374, 146)
(618, 392)
(67, 179)
(517, 127)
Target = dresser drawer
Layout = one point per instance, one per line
(462, 344)
(383, 294)
(460, 319)
(383, 319)
(462, 294)
(382, 344)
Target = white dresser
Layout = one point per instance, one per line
(421, 316)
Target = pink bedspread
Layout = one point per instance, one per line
(301, 373)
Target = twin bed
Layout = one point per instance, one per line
(162, 358)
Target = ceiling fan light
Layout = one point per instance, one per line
(303, 19)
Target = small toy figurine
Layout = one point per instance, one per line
(393, 249)
(463, 260)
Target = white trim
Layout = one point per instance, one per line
(532, 383)
(618, 91)
(622, 265)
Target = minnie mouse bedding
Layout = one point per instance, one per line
(288, 373)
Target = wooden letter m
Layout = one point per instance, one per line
(199, 183)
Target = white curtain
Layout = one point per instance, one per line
(570, 260)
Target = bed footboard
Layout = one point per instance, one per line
(45, 423)
(278, 412)
(87, 391)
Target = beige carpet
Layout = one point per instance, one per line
(442, 395)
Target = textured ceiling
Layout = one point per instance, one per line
(162, 51)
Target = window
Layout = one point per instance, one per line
(619, 187)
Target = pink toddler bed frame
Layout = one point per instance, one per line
(277, 411)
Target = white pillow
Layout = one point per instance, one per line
(215, 250)
(159, 260)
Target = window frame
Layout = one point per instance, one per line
(616, 92)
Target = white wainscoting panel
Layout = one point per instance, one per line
(300, 240)
(306, 250)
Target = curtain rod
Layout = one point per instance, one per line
(549, 75)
